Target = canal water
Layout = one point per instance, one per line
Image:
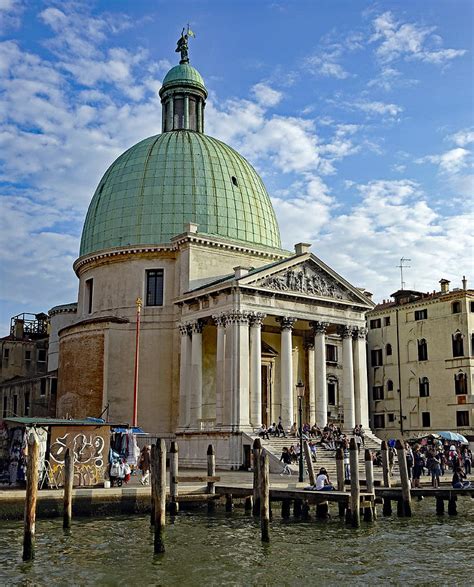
(225, 549)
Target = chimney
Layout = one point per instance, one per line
(444, 283)
(368, 294)
(240, 271)
(464, 282)
(19, 329)
(302, 248)
(192, 227)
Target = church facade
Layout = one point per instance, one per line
(230, 321)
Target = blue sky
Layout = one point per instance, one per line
(358, 116)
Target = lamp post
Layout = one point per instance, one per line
(300, 394)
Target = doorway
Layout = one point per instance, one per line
(267, 387)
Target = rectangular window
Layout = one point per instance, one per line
(178, 113)
(421, 314)
(43, 386)
(5, 406)
(471, 306)
(456, 307)
(27, 356)
(89, 295)
(386, 321)
(376, 323)
(462, 419)
(27, 404)
(154, 287)
(379, 420)
(41, 355)
(6, 354)
(331, 393)
(54, 385)
(425, 419)
(376, 358)
(377, 392)
(391, 417)
(331, 353)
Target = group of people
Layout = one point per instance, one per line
(435, 460)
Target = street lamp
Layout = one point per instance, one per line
(300, 394)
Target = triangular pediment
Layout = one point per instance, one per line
(308, 276)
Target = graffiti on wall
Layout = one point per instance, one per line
(89, 445)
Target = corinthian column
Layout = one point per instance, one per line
(286, 376)
(184, 377)
(309, 346)
(360, 377)
(319, 329)
(220, 368)
(348, 378)
(256, 320)
(196, 373)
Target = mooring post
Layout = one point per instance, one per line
(340, 478)
(68, 483)
(285, 508)
(153, 482)
(387, 503)
(174, 471)
(297, 505)
(211, 472)
(229, 502)
(452, 508)
(369, 513)
(264, 497)
(159, 488)
(305, 510)
(309, 464)
(322, 510)
(355, 486)
(257, 450)
(31, 496)
(248, 503)
(404, 479)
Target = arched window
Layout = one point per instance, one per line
(388, 349)
(332, 391)
(458, 345)
(424, 387)
(389, 385)
(460, 384)
(422, 350)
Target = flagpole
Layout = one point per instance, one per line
(138, 304)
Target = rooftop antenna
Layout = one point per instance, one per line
(403, 265)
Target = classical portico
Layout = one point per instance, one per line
(291, 307)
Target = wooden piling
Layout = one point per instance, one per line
(159, 488)
(257, 450)
(385, 465)
(174, 472)
(305, 510)
(248, 503)
(285, 508)
(211, 472)
(355, 486)
(340, 478)
(31, 496)
(264, 497)
(369, 513)
(68, 484)
(452, 507)
(297, 505)
(153, 479)
(387, 506)
(404, 479)
(229, 502)
(440, 506)
(309, 464)
(322, 510)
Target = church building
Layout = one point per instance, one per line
(229, 322)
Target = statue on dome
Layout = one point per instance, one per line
(182, 46)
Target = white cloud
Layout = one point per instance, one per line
(398, 40)
(325, 65)
(379, 108)
(451, 161)
(10, 15)
(265, 95)
(463, 137)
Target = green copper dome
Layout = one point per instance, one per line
(184, 74)
(154, 189)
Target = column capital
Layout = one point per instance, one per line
(319, 327)
(308, 345)
(220, 319)
(257, 318)
(196, 326)
(185, 328)
(359, 332)
(237, 317)
(286, 322)
(344, 330)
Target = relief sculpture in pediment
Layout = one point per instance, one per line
(303, 279)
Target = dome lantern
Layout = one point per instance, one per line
(183, 94)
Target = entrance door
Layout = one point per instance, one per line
(267, 377)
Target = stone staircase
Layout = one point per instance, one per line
(324, 457)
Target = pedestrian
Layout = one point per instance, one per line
(280, 428)
(322, 481)
(286, 460)
(144, 463)
(347, 465)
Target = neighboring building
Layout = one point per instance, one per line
(230, 321)
(421, 362)
(26, 387)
